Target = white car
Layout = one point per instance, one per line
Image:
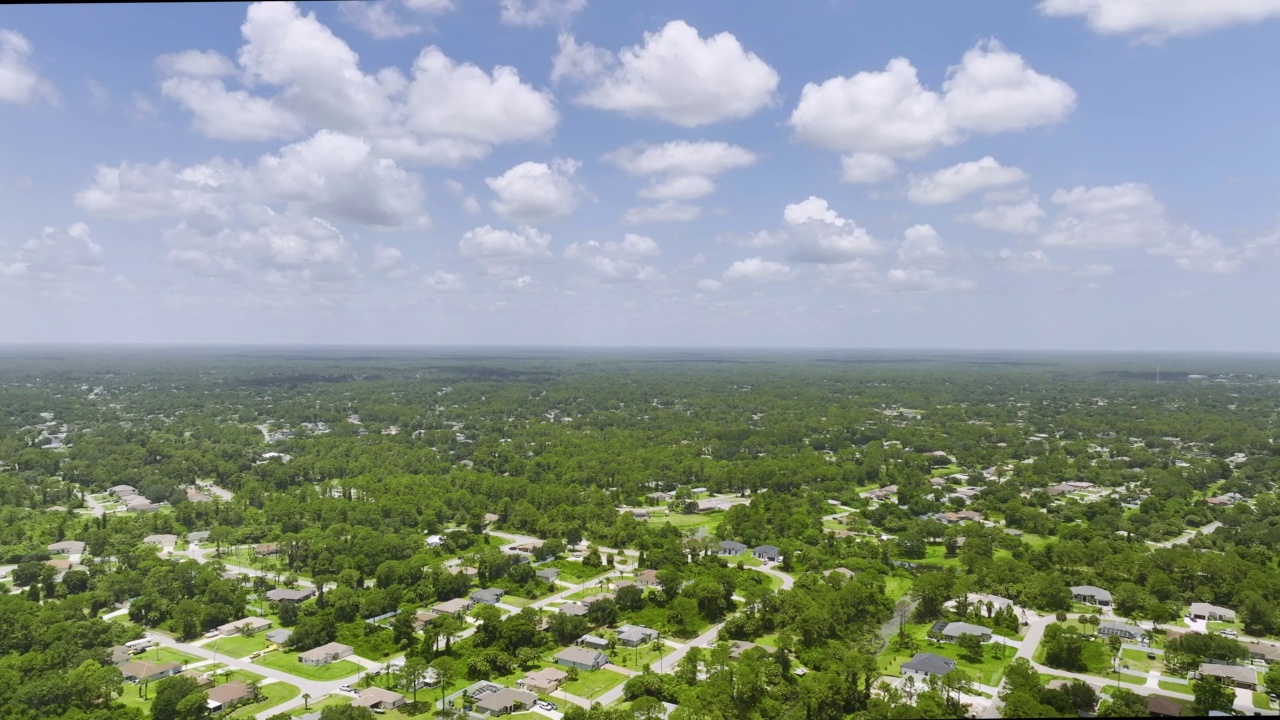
(546, 705)
(347, 688)
(1229, 632)
(212, 634)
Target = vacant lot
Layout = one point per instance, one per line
(288, 662)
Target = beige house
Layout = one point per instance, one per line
(376, 698)
(245, 626)
(545, 681)
(228, 695)
(325, 654)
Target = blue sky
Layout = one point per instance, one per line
(1065, 174)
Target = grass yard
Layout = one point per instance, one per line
(709, 521)
(591, 683)
(237, 646)
(316, 706)
(1137, 660)
(1214, 626)
(947, 470)
(937, 555)
(1261, 701)
(129, 696)
(895, 587)
(274, 694)
(584, 594)
(769, 641)
(1183, 688)
(288, 662)
(987, 672)
(638, 658)
(164, 654)
(518, 602)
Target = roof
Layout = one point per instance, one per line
(71, 546)
(647, 576)
(229, 692)
(771, 549)
(580, 655)
(254, 623)
(285, 594)
(649, 632)
(1158, 704)
(325, 650)
(930, 663)
(279, 636)
(454, 605)
(593, 639)
(546, 676)
(161, 539)
(732, 546)
(1199, 608)
(1117, 628)
(1239, 673)
(573, 608)
(956, 629)
(505, 698)
(488, 594)
(1091, 591)
(144, 668)
(371, 696)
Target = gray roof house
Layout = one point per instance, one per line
(1091, 595)
(1205, 611)
(731, 547)
(953, 631)
(66, 547)
(1241, 676)
(548, 574)
(488, 596)
(767, 552)
(594, 642)
(290, 596)
(1129, 632)
(325, 654)
(926, 664)
(279, 637)
(574, 609)
(456, 605)
(582, 658)
(633, 635)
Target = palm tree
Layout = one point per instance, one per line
(306, 701)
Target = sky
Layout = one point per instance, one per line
(1019, 175)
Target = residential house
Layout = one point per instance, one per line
(67, 547)
(647, 578)
(228, 695)
(121, 490)
(1128, 632)
(635, 635)
(924, 664)
(737, 647)
(488, 596)
(376, 698)
(639, 514)
(490, 518)
(120, 655)
(1266, 652)
(1057, 490)
(161, 541)
(545, 681)
(582, 658)
(660, 498)
(198, 536)
(731, 547)
(548, 575)
(598, 598)
(713, 505)
(454, 606)
(1091, 595)
(284, 595)
(1013, 531)
(1205, 611)
(245, 626)
(952, 631)
(195, 496)
(202, 680)
(594, 642)
(266, 549)
(881, 493)
(149, 671)
(422, 618)
(1161, 706)
(506, 700)
(325, 654)
(435, 541)
(573, 609)
(1241, 676)
(770, 553)
(279, 637)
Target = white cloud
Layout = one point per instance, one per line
(195, 64)
(680, 170)
(378, 18)
(523, 282)
(617, 262)
(469, 203)
(447, 113)
(99, 96)
(867, 168)
(710, 285)
(819, 235)
(890, 113)
(1126, 215)
(1193, 250)
(1157, 20)
(919, 280)
(503, 253)
(675, 76)
(632, 246)
(763, 238)
(536, 193)
(922, 246)
(668, 211)
(327, 173)
(1030, 261)
(55, 255)
(1094, 270)
(1019, 219)
(535, 13)
(759, 270)
(19, 81)
(951, 184)
(386, 257)
(441, 281)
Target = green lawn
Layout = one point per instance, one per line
(1261, 701)
(1217, 626)
(709, 521)
(947, 470)
(164, 654)
(129, 696)
(638, 658)
(988, 671)
(1175, 687)
(584, 594)
(516, 601)
(272, 695)
(237, 646)
(288, 662)
(895, 587)
(316, 706)
(1137, 660)
(593, 682)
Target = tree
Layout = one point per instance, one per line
(630, 598)
(306, 701)
(411, 675)
(1212, 695)
(972, 646)
(288, 614)
(170, 692)
(1272, 679)
(446, 672)
(1081, 695)
(933, 590)
(346, 712)
(1125, 703)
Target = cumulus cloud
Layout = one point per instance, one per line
(758, 270)
(441, 281)
(922, 246)
(817, 234)
(386, 257)
(196, 64)
(55, 255)
(953, 183)
(504, 253)
(710, 284)
(536, 193)
(1017, 219)
(535, 13)
(923, 280)
(669, 211)
(632, 246)
(20, 83)
(680, 170)
(523, 282)
(617, 262)
(446, 113)
(1029, 261)
(329, 173)
(891, 114)
(1153, 21)
(675, 75)
(1117, 216)
(469, 203)
(867, 168)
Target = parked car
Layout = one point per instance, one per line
(546, 705)
(254, 656)
(212, 634)
(347, 688)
